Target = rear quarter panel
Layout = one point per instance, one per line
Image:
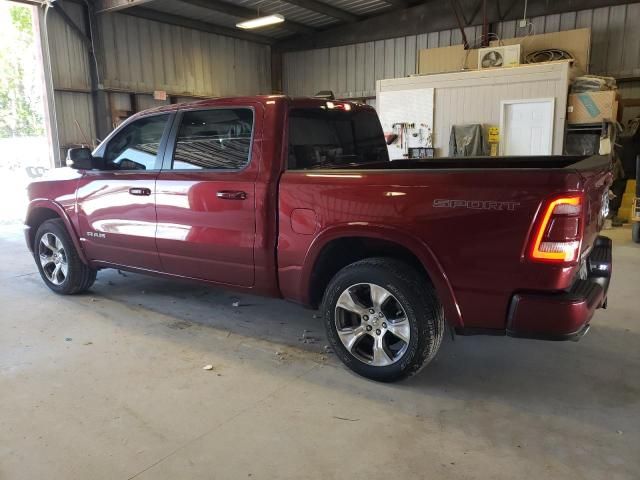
(480, 251)
(596, 183)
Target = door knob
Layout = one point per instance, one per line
(143, 192)
(231, 195)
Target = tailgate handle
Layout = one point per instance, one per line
(143, 192)
(231, 195)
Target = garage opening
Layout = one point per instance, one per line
(23, 140)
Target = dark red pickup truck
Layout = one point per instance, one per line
(297, 198)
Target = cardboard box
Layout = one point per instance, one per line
(456, 58)
(592, 107)
(447, 59)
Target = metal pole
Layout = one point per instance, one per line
(485, 25)
(454, 5)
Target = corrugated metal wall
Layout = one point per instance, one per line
(629, 90)
(352, 70)
(141, 56)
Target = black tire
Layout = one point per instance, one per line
(635, 232)
(79, 277)
(416, 296)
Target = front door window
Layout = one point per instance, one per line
(136, 146)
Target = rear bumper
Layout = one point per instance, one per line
(564, 315)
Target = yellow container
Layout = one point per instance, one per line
(624, 213)
(626, 207)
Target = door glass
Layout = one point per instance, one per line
(217, 139)
(135, 147)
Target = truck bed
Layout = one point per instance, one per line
(472, 163)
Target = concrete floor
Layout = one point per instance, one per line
(110, 385)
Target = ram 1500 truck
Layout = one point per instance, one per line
(297, 198)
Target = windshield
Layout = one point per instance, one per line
(320, 138)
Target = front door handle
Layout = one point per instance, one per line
(232, 195)
(142, 192)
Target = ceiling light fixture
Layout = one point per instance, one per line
(261, 21)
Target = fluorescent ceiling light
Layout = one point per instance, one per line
(261, 21)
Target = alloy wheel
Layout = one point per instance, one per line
(372, 324)
(53, 258)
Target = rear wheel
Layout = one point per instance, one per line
(383, 319)
(58, 262)
(635, 232)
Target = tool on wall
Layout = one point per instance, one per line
(402, 130)
(411, 141)
(426, 135)
(390, 137)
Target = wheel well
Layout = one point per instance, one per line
(36, 218)
(341, 252)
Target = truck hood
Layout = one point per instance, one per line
(57, 174)
(58, 185)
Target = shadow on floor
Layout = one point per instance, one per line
(576, 381)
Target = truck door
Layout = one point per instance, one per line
(116, 205)
(205, 200)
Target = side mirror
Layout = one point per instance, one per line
(80, 159)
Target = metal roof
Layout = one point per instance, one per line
(174, 7)
(313, 15)
(289, 11)
(361, 7)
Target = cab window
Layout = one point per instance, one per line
(321, 138)
(135, 147)
(217, 139)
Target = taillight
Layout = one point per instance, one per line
(558, 232)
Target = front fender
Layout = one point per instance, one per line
(48, 204)
(382, 232)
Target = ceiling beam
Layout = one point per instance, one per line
(397, 3)
(245, 13)
(103, 6)
(171, 19)
(430, 16)
(325, 9)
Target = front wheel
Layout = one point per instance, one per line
(635, 232)
(383, 319)
(58, 262)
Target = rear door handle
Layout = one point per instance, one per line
(231, 195)
(143, 192)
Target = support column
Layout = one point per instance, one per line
(49, 100)
(100, 98)
(276, 71)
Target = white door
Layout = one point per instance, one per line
(526, 127)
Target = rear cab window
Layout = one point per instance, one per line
(214, 139)
(330, 138)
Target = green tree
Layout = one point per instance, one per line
(20, 102)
